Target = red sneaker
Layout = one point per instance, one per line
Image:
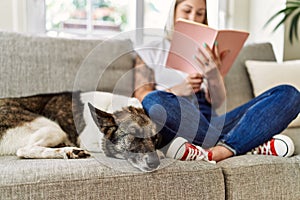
(181, 149)
(279, 145)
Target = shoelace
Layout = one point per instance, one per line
(194, 152)
(197, 153)
(265, 149)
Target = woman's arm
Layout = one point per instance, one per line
(144, 81)
(216, 93)
(210, 61)
(189, 86)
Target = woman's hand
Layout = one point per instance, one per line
(189, 86)
(210, 62)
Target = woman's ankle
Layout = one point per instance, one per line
(220, 153)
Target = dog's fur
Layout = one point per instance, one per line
(49, 126)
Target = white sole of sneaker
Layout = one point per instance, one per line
(285, 150)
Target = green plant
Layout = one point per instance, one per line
(79, 4)
(101, 3)
(292, 10)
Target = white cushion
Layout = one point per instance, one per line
(109, 102)
(91, 137)
(266, 74)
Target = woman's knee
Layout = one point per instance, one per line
(287, 90)
(156, 97)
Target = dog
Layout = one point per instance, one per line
(60, 125)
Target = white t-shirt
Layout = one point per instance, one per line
(155, 56)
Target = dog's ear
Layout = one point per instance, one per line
(104, 121)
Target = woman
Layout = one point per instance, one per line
(183, 106)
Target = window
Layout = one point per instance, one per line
(105, 17)
(83, 17)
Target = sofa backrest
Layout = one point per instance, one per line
(40, 64)
(237, 81)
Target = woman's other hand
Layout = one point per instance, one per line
(210, 60)
(189, 86)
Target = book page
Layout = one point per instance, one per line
(187, 37)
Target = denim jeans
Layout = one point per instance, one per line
(240, 130)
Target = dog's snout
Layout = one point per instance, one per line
(152, 160)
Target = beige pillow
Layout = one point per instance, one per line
(265, 75)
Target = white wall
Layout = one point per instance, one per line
(260, 13)
(36, 20)
(252, 15)
(238, 14)
(213, 7)
(13, 15)
(22, 16)
(6, 19)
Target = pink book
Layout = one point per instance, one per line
(189, 35)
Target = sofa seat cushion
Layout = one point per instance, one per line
(255, 177)
(93, 179)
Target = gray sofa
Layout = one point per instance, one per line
(37, 64)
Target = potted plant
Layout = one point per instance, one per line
(291, 11)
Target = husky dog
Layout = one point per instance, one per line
(51, 126)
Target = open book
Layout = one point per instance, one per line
(189, 35)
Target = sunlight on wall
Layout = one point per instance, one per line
(213, 11)
(260, 13)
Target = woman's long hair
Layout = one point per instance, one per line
(169, 27)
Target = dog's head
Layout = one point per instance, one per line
(128, 134)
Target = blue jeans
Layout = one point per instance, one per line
(240, 130)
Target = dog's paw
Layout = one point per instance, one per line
(76, 153)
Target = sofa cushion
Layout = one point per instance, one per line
(40, 64)
(237, 82)
(91, 179)
(255, 177)
(265, 75)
